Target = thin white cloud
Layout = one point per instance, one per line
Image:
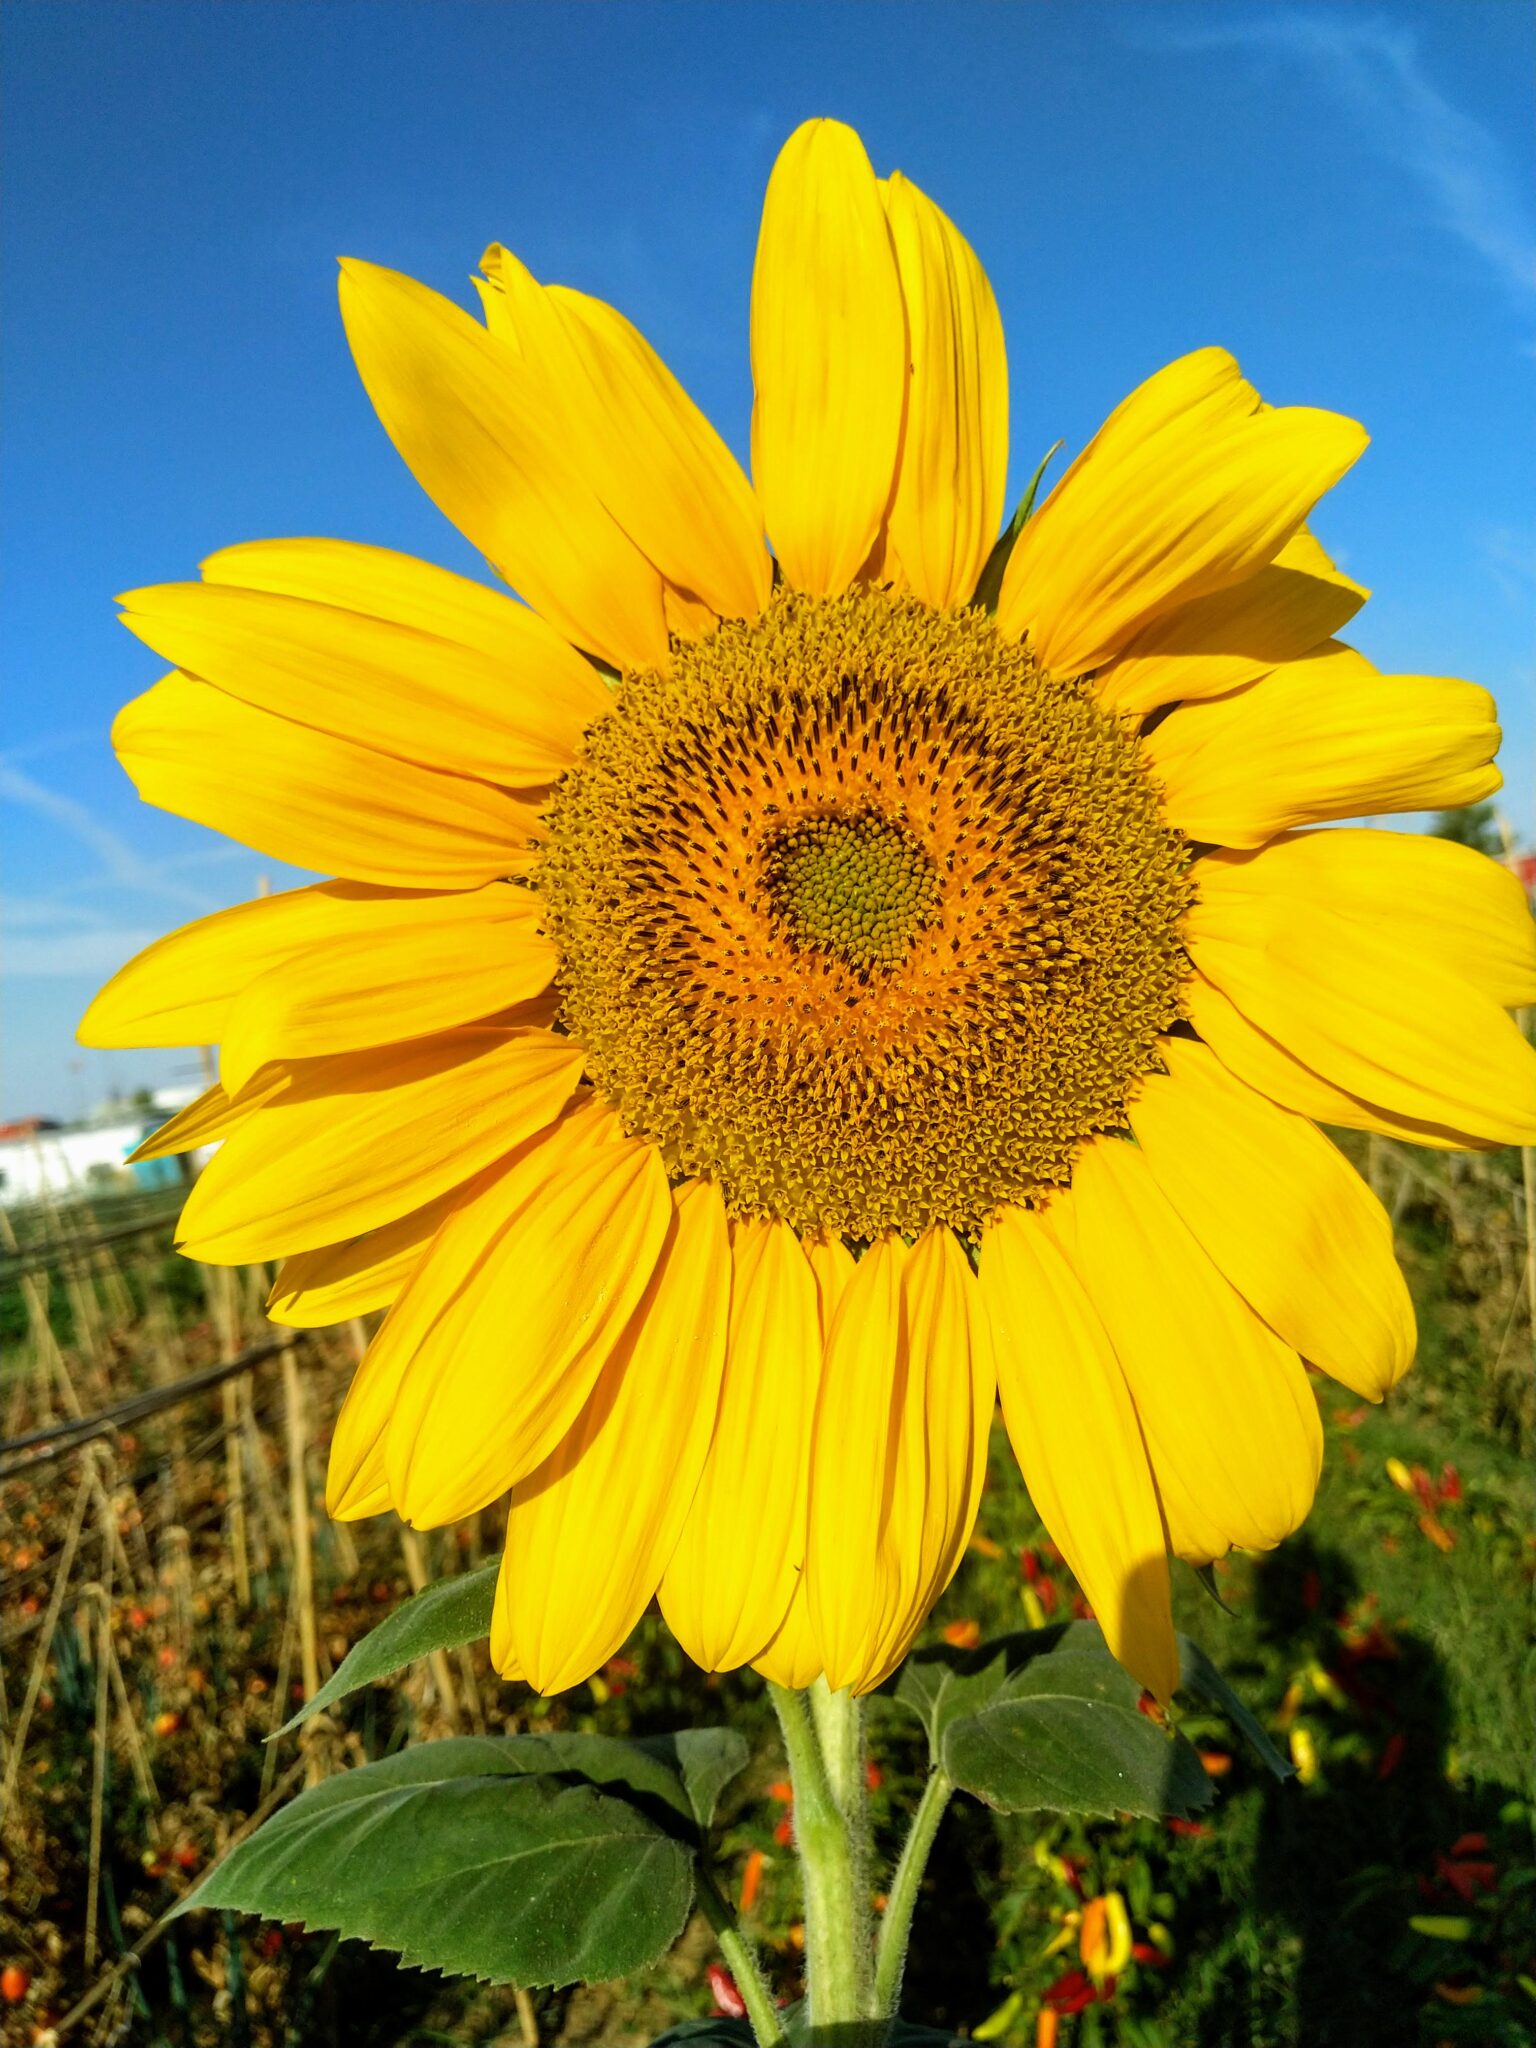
(1374, 67)
(95, 951)
(120, 863)
(1510, 553)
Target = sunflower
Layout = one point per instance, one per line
(771, 1004)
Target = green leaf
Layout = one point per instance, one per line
(705, 1759)
(453, 1856)
(1197, 1674)
(940, 1684)
(990, 583)
(439, 1617)
(716, 2032)
(1049, 1720)
(647, 1779)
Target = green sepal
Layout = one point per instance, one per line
(990, 583)
(1198, 1675)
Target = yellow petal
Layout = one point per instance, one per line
(310, 798)
(504, 1327)
(1245, 1051)
(1220, 641)
(206, 1121)
(793, 1658)
(1168, 503)
(485, 448)
(382, 584)
(357, 1471)
(1074, 1431)
(952, 471)
(635, 436)
(179, 990)
(367, 1492)
(1229, 1419)
(947, 1384)
(1283, 1214)
(591, 1531)
(361, 1139)
(439, 962)
(738, 1560)
(363, 1273)
(833, 1264)
(1469, 912)
(395, 688)
(828, 358)
(1395, 1008)
(848, 1576)
(1325, 737)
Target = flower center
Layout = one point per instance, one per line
(862, 915)
(853, 884)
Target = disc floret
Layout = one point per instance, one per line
(863, 915)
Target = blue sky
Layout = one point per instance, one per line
(1341, 195)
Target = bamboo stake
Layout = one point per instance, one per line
(220, 1284)
(133, 1742)
(98, 1768)
(303, 1541)
(279, 1699)
(45, 1640)
(437, 1660)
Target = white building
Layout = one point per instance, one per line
(40, 1161)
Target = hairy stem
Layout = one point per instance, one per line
(896, 1929)
(741, 1961)
(838, 1936)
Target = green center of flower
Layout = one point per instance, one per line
(855, 884)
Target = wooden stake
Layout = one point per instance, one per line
(303, 1541)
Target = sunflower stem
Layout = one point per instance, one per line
(896, 1927)
(831, 1819)
(741, 1961)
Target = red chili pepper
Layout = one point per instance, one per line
(1466, 1879)
(728, 1999)
(1072, 1993)
(1392, 1754)
(1194, 1830)
(1450, 1483)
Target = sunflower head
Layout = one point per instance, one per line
(770, 1005)
(863, 916)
